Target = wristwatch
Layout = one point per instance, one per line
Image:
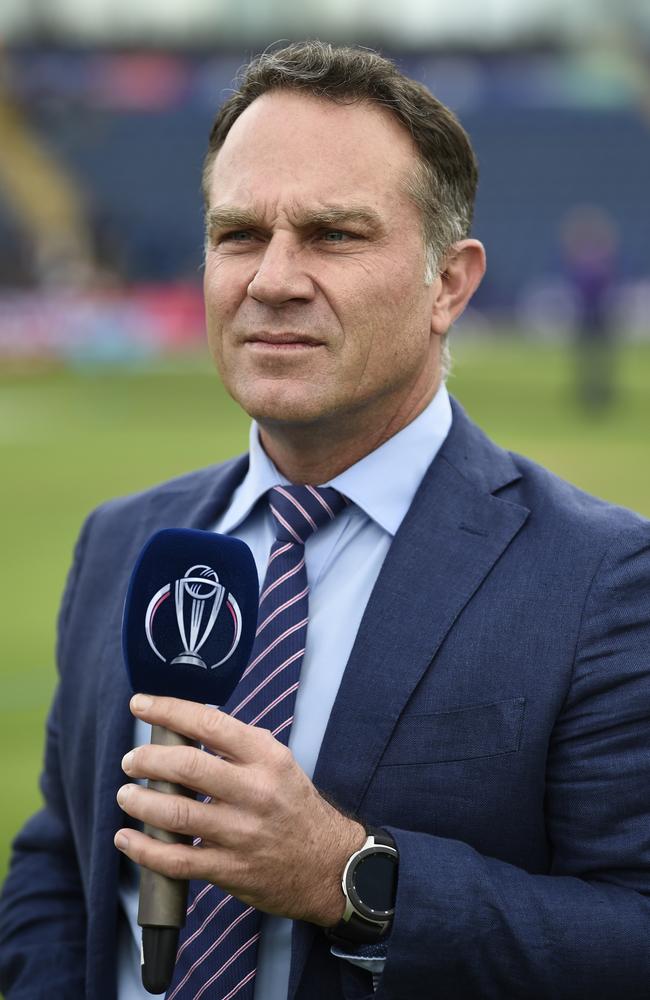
(369, 885)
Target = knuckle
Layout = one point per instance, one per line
(253, 828)
(210, 722)
(191, 764)
(179, 814)
(268, 743)
(278, 757)
(283, 755)
(178, 866)
(262, 791)
(239, 837)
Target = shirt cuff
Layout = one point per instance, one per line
(371, 957)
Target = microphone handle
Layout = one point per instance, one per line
(163, 900)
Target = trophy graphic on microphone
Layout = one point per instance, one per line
(198, 600)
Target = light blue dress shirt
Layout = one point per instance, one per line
(343, 561)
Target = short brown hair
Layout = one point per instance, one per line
(443, 186)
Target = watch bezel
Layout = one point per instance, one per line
(354, 902)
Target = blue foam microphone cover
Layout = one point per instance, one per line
(190, 615)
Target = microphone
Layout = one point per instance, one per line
(188, 629)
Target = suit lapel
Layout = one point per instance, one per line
(445, 547)
(452, 535)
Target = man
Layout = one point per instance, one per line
(473, 698)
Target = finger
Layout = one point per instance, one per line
(214, 824)
(175, 860)
(205, 724)
(175, 813)
(187, 766)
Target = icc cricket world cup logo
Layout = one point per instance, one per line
(198, 597)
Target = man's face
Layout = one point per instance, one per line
(317, 310)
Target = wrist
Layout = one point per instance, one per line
(369, 885)
(331, 899)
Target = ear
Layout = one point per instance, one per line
(459, 278)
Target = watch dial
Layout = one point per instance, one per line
(375, 881)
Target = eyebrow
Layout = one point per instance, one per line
(222, 217)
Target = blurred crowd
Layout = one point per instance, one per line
(100, 211)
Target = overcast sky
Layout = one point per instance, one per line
(423, 22)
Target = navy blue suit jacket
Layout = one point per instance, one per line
(494, 715)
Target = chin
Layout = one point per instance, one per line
(281, 406)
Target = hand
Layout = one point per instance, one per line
(268, 836)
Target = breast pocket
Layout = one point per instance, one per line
(461, 734)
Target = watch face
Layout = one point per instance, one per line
(374, 883)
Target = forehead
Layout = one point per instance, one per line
(289, 144)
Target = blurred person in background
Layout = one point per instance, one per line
(590, 243)
(465, 731)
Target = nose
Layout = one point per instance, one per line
(281, 276)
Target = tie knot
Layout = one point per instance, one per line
(298, 511)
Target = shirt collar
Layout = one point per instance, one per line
(382, 483)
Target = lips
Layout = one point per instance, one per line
(283, 340)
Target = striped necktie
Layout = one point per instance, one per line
(217, 954)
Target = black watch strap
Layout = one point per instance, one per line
(357, 930)
(382, 837)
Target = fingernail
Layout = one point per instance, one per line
(123, 794)
(121, 841)
(141, 702)
(127, 761)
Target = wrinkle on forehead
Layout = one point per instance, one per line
(302, 163)
(299, 216)
(287, 136)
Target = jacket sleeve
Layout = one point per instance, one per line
(470, 926)
(42, 908)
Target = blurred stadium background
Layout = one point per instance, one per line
(105, 106)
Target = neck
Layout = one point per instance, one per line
(315, 454)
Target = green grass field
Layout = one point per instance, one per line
(69, 440)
